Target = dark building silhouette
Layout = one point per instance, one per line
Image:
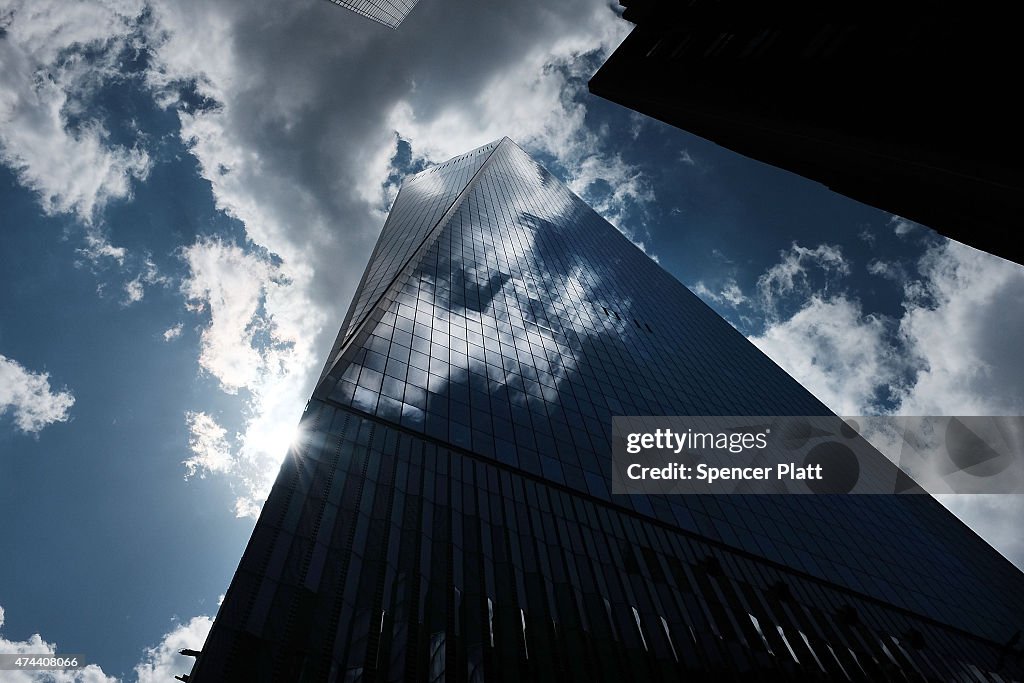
(909, 107)
(447, 516)
(391, 13)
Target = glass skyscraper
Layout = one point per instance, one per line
(391, 13)
(812, 88)
(448, 514)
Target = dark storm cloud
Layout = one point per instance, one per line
(307, 90)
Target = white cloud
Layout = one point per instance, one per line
(29, 396)
(890, 270)
(230, 284)
(531, 98)
(258, 338)
(161, 663)
(704, 292)
(792, 275)
(637, 121)
(133, 291)
(730, 293)
(626, 187)
(98, 250)
(173, 332)
(55, 56)
(901, 226)
(210, 449)
(148, 274)
(250, 506)
(158, 664)
(833, 349)
(954, 351)
(535, 100)
(962, 326)
(718, 254)
(35, 644)
(101, 257)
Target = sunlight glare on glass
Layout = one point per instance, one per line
(284, 437)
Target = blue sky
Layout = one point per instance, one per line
(189, 192)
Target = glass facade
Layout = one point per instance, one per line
(787, 86)
(391, 13)
(449, 516)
